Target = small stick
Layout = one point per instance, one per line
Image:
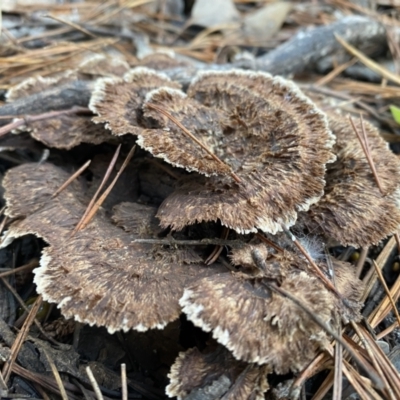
(205, 148)
(27, 310)
(218, 249)
(312, 369)
(364, 144)
(379, 273)
(32, 264)
(200, 242)
(338, 369)
(94, 383)
(361, 261)
(71, 178)
(57, 376)
(34, 118)
(124, 382)
(314, 266)
(19, 340)
(100, 201)
(372, 357)
(94, 198)
(269, 242)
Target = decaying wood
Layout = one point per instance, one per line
(305, 49)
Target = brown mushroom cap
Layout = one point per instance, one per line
(98, 276)
(37, 84)
(275, 140)
(103, 65)
(214, 373)
(167, 140)
(118, 101)
(353, 211)
(260, 326)
(62, 131)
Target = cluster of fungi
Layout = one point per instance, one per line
(249, 159)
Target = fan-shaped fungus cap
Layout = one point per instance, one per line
(103, 65)
(63, 131)
(118, 101)
(215, 374)
(353, 211)
(274, 139)
(259, 325)
(168, 141)
(98, 276)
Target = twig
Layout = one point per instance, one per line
(191, 136)
(338, 371)
(27, 310)
(124, 382)
(100, 201)
(71, 179)
(32, 264)
(312, 369)
(371, 355)
(72, 25)
(94, 198)
(94, 383)
(19, 340)
(382, 279)
(314, 266)
(364, 144)
(269, 242)
(40, 117)
(361, 261)
(201, 242)
(368, 62)
(218, 249)
(57, 376)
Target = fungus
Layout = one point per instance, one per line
(138, 219)
(260, 326)
(168, 141)
(101, 65)
(61, 131)
(353, 211)
(118, 101)
(99, 275)
(215, 374)
(273, 138)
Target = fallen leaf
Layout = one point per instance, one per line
(210, 13)
(265, 22)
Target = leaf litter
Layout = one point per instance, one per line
(242, 160)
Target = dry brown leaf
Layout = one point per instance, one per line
(209, 13)
(265, 22)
